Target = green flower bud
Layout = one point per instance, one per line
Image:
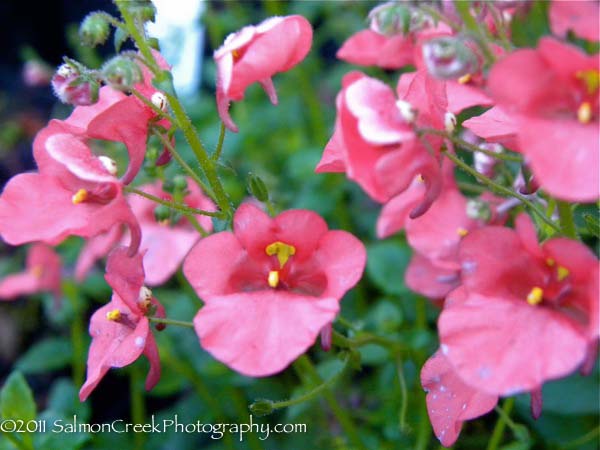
(162, 213)
(168, 186)
(94, 29)
(261, 407)
(122, 72)
(180, 183)
(257, 188)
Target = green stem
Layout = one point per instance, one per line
(304, 365)
(77, 333)
(159, 112)
(470, 187)
(217, 154)
(312, 393)
(471, 24)
(179, 323)
(138, 404)
(503, 419)
(578, 443)
(207, 164)
(403, 395)
(177, 206)
(567, 223)
(184, 165)
(464, 145)
(500, 189)
(365, 338)
(424, 430)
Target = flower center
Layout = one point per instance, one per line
(591, 80)
(79, 197)
(283, 252)
(554, 289)
(114, 315)
(535, 296)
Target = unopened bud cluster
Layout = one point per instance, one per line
(449, 57)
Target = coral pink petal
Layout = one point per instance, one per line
(95, 248)
(303, 229)
(373, 103)
(463, 96)
(580, 17)
(15, 285)
(269, 88)
(494, 125)
(113, 344)
(343, 258)
(43, 257)
(77, 157)
(277, 328)
(333, 159)
(127, 122)
(527, 234)
(395, 213)
(223, 103)
(523, 345)
(434, 282)
(151, 352)
(368, 48)
(83, 115)
(449, 400)
(165, 248)
(254, 228)
(209, 265)
(125, 275)
(566, 167)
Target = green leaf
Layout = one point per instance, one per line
(386, 264)
(592, 224)
(120, 37)
(16, 399)
(46, 355)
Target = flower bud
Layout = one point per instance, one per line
(449, 122)
(168, 186)
(407, 111)
(73, 87)
(262, 407)
(143, 9)
(94, 29)
(393, 18)
(162, 213)
(449, 57)
(257, 188)
(121, 72)
(484, 164)
(180, 183)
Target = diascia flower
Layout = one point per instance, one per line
(527, 313)
(255, 54)
(270, 286)
(164, 243)
(450, 401)
(552, 93)
(74, 193)
(120, 330)
(42, 274)
(580, 17)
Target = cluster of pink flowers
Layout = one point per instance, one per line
(269, 287)
(515, 313)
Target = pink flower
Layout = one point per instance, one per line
(495, 125)
(75, 193)
(525, 314)
(270, 286)
(552, 93)
(450, 401)
(580, 17)
(120, 330)
(164, 244)
(374, 140)
(42, 274)
(255, 54)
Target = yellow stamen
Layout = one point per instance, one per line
(114, 315)
(283, 251)
(80, 196)
(562, 273)
(465, 79)
(591, 78)
(536, 296)
(273, 278)
(236, 54)
(37, 271)
(584, 112)
(550, 262)
(462, 232)
(420, 178)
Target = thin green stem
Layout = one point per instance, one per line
(177, 206)
(208, 166)
(77, 333)
(184, 165)
(470, 187)
(424, 429)
(217, 154)
(138, 404)
(504, 417)
(567, 222)
(578, 443)
(365, 338)
(159, 112)
(178, 323)
(403, 395)
(500, 189)
(464, 145)
(463, 9)
(314, 392)
(346, 323)
(304, 365)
